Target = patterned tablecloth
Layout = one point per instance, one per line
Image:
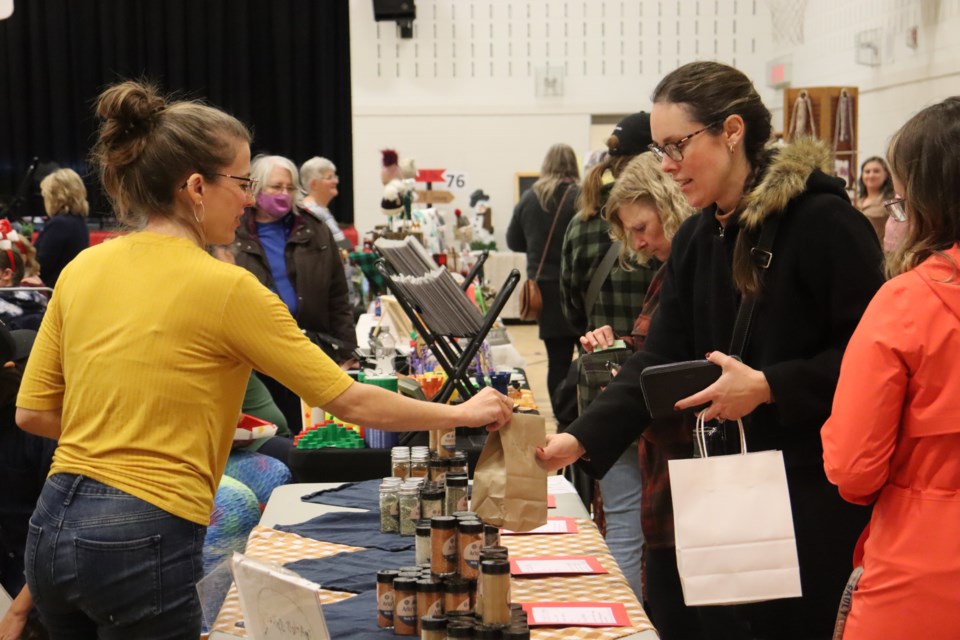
(282, 548)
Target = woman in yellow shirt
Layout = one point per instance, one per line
(139, 371)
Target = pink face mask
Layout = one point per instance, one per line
(276, 205)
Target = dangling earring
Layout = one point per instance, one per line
(731, 146)
(199, 218)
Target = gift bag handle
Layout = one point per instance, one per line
(701, 434)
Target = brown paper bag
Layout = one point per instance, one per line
(509, 487)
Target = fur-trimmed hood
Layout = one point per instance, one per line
(785, 178)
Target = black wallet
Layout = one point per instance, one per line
(664, 384)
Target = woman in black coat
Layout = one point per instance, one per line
(550, 202)
(710, 128)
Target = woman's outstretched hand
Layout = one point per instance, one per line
(561, 450)
(737, 392)
(489, 408)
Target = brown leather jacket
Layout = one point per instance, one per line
(314, 269)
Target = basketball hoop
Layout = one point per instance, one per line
(786, 17)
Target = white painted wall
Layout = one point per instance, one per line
(906, 80)
(463, 92)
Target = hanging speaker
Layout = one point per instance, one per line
(394, 10)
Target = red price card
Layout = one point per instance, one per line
(576, 614)
(554, 525)
(555, 565)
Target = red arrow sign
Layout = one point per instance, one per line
(431, 175)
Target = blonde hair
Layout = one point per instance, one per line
(559, 165)
(590, 203)
(148, 146)
(643, 180)
(63, 192)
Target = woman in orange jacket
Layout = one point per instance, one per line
(894, 436)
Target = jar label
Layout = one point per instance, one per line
(432, 508)
(448, 440)
(471, 554)
(386, 603)
(462, 503)
(449, 550)
(436, 609)
(407, 610)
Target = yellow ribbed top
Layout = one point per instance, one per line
(147, 346)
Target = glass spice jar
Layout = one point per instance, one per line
(486, 632)
(429, 599)
(459, 630)
(470, 541)
(456, 494)
(400, 462)
(443, 545)
(516, 632)
(405, 611)
(418, 464)
(456, 595)
(422, 547)
(386, 600)
(389, 506)
(409, 506)
(459, 463)
(438, 470)
(433, 628)
(431, 500)
(447, 443)
(495, 585)
(491, 536)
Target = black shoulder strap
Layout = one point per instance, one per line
(599, 276)
(762, 255)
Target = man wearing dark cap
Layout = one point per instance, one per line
(616, 303)
(24, 462)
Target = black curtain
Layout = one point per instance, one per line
(281, 66)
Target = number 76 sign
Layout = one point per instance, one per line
(449, 178)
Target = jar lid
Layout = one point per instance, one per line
(516, 632)
(432, 493)
(495, 567)
(465, 515)
(486, 632)
(471, 526)
(443, 522)
(433, 623)
(405, 584)
(457, 480)
(387, 575)
(429, 586)
(423, 528)
(459, 629)
(456, 584)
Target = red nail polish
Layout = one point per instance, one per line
(708, 355)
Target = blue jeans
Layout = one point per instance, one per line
(103, 564)
(621, 489)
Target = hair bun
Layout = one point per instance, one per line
(130, 106)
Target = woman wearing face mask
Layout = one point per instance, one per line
(295, 256)
(710, 128)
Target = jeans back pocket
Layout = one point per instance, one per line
(119, 580)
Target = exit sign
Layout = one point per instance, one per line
(779, 73)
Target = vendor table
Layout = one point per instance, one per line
(286, 507)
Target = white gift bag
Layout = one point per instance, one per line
(734, 527)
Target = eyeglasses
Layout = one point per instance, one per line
(895, 207)
(672, 149)
(330, 176)
(247, 185)
(279, 187)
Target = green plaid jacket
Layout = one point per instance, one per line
(621, 296)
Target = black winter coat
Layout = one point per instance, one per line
(315, 271)
(527, 233)
(827, 265)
